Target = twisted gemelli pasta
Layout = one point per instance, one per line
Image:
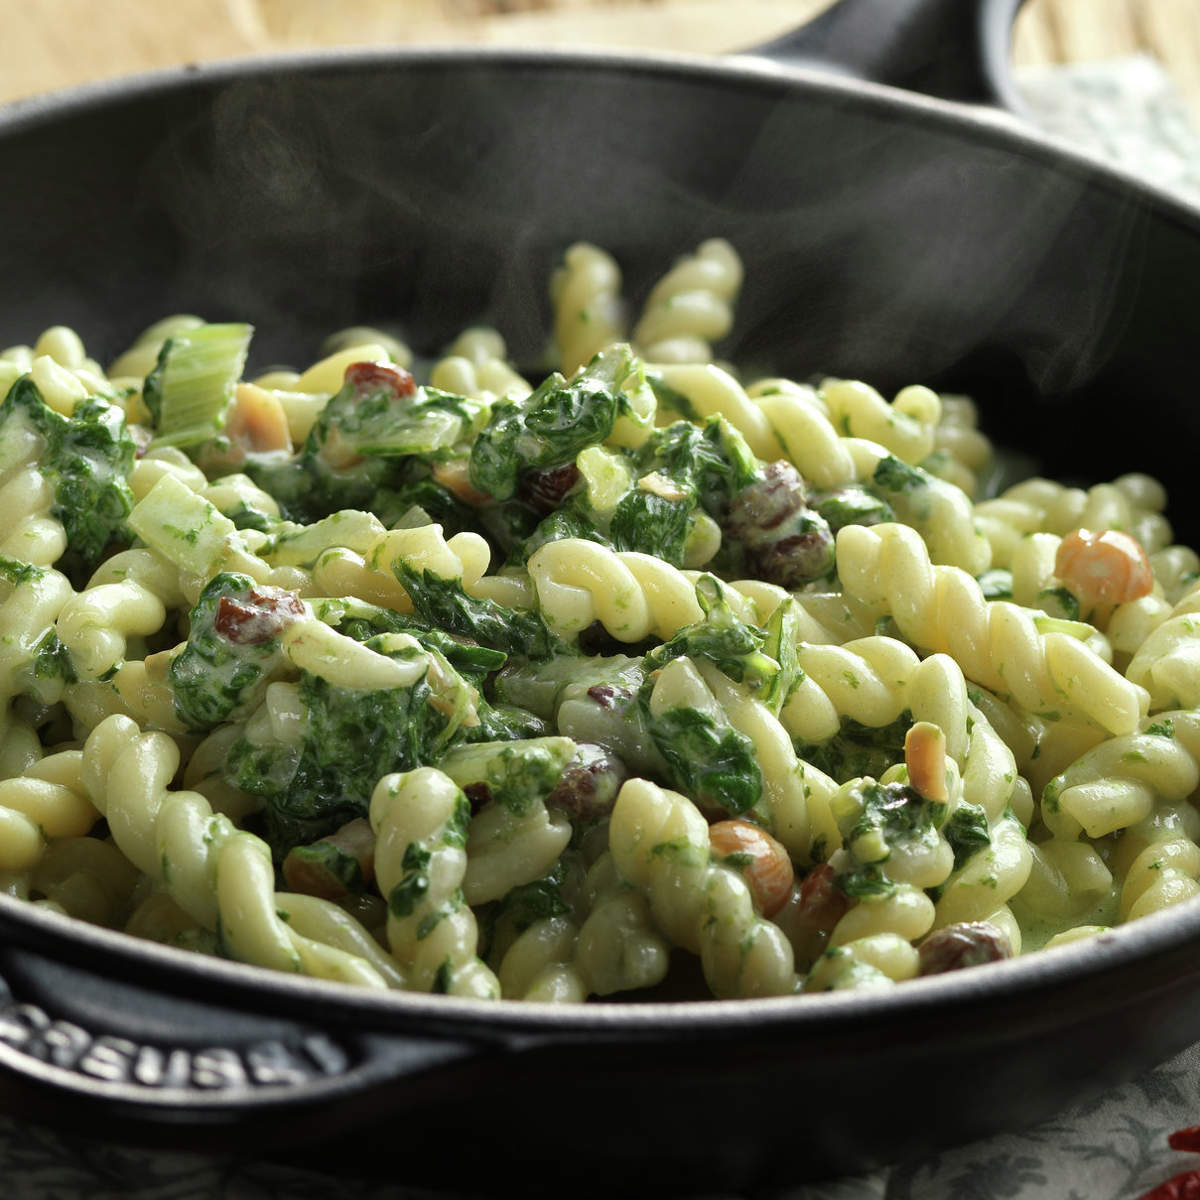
(403, 667)
(588, 313)
(659, 843)
(998, 645)
(419, 819)
(175, 838)
(691, 306)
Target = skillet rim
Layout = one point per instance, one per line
(100, 953)
(1008, 130)
(1116, 950)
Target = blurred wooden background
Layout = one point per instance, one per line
(47, 44)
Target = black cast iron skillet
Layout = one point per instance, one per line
(887, 235)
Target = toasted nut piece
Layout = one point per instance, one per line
(341, 863)
(455, 476)
(1108, 567)
(925, 757)
(257, 420)
(966, 944)
(763, 862)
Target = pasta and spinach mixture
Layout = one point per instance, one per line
(643, 673)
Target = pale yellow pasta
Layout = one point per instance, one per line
(315, 647)
(786, 791)
(420, 861)
(632, 595)
(961, 451)
(130, 594)
(864, 679)
(998, 645)
(476, 365)
(138, 361)
(875, 961)
(29, 533)
(370, 576)
(211, 869)
(205, 773)
(506, 849)
(1068, 881)
(1167, 663)
(86, 877)
(1175, 569)
(907, 912)
(232, 493)
(588, 311)
(367, 335)
(539, 964)
(691, 306)
(1159, 862)
(1119, 782)
(991, 877)
(165, 460)
(906, 427)
(659, 843)
(803, 430)
(618, 948)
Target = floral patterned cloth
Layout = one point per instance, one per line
(1112, 1148)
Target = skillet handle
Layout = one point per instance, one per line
(951, 49)
(138, 1061)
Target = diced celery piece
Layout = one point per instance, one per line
(303, 545)
(191, 387)
(182, 526)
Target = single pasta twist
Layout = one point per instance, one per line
(788, 787)
(1176, 569)
(540, 964)
(1118, 783)
(659, 843)
(221, 877)
(32, 599)
(85, 877)
(28, 531)
(371, 575)
(588, 313)
(47, 801)
(1068, 882)
(997, 644)
(632, 595)
(1167, 663)
(982, 887)
(1158, 861)
(506, 849)
(864, 679)
(961, 452)
(129, 594)
(691, 306)
(616, 949)
(165, 460)
(906, 427)
(872, 962)
(232, 494)
(420, 823)
(476, 365)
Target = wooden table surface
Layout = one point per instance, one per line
(47, 44)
